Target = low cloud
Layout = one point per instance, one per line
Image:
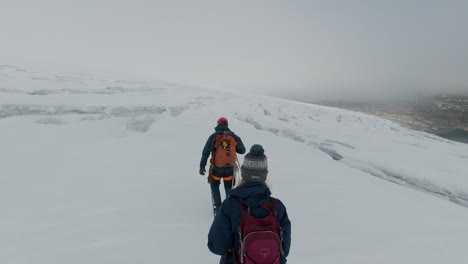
(320, 50)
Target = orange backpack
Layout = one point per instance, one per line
(224, 154)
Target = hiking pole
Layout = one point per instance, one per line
(236, 170)
(209, 178)
(212, 204)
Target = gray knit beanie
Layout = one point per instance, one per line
(255, 165)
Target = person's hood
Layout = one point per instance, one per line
(252, 194)
(221, 128)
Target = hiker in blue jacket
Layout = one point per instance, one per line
(223, 237)
(218, 168)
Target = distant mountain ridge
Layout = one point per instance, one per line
(443, 115)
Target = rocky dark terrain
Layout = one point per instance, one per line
(443, 115)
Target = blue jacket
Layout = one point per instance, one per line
(209, 146)
(223, 232)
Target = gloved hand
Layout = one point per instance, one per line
(202, 171)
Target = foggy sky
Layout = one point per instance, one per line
(312, 49)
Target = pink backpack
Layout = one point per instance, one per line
(260, 238)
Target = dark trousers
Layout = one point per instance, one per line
(214, 184)
(216, 194)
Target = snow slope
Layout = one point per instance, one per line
(101, 170)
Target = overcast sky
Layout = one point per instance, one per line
(313, 49)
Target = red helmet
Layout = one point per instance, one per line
(222, 121)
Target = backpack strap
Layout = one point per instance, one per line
(213, 148)
(225, 140)
(271, 206)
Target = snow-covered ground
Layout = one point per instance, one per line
(101, 170)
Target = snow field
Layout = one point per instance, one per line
(122, 186)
